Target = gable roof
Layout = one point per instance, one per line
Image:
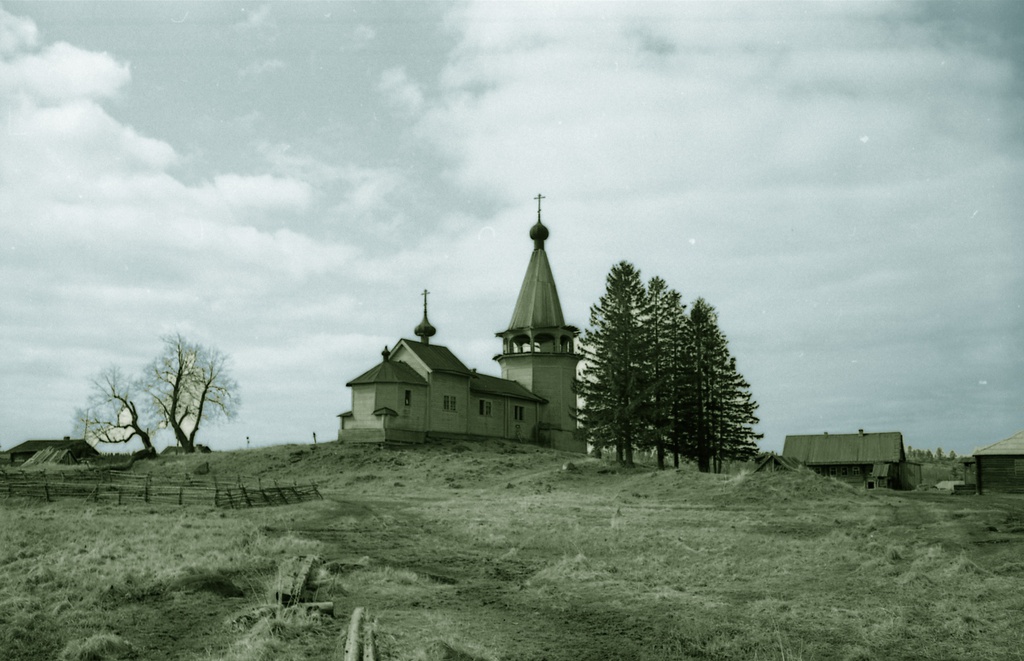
(388, 371)
(538, 305)
(1012, 445)
(857, 448)
(436, 357)
(492, 385)
(77, 444)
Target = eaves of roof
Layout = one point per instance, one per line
(1012, 445)
(493, 385)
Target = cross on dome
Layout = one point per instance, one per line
(538, 232)
(425, 331)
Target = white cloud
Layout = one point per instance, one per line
(16, 33)
(401, 92)
(262, 192)
(363, 35)
(63, 72)
(255, 20)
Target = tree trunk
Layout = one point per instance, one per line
(661, 454)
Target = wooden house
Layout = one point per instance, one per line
(77, 448)
(870, 460)
(421, 391)
(999, 468)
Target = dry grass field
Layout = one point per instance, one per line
(493, 551)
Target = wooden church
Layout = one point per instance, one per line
(422, 391)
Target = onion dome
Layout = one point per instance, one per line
(425, 330)
(539, 234)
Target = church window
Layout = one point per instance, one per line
(832, 471)
(520, 412)
(843, 471)
(408, 397)
(485, 407)
(856, 470)
(449, 402)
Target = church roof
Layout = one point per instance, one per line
(494, 386)
(1012, 445)
(389, 371)
(537, 305)
(436, 357)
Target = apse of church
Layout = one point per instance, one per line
(422, 391)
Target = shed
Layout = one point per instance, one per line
(771, 462)
(999, 468)
(77, 448)
(872, 460)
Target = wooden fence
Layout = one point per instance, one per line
(122, 487)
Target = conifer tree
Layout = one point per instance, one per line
(718, 404)
(616, 384)
(666, 324)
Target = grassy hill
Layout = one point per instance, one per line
(494, 551)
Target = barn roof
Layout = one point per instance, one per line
(77, 444)
(389, 371)
(1012, 445)
(869, 448)
(495, 386)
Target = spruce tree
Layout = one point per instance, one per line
(616, 382)
(718, 400)
(666, 324)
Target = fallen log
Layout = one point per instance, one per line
(352, 641)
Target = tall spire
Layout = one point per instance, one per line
(538, 305)
(425, 331)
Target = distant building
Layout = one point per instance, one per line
(421, 391)
(771, 463)
(77, 448)
(999, 468)
(871, 460)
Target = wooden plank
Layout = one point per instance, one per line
(292, 578)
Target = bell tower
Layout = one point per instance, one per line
(538, 350)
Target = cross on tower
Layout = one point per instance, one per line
(538, 198)
(425, 292)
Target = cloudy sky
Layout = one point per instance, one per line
(842, 181)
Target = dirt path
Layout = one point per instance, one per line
(472, 597)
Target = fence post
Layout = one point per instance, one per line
(145, 491)
(181, 495)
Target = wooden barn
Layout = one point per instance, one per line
(771, 462)
(999, 468)
(870, 460)
(76, 448)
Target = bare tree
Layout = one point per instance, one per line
(111, 415)
(189, 384)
